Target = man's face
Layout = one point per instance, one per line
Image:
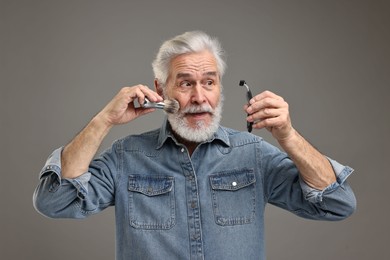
(195, 83)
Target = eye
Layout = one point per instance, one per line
(185, 84)
(209, 82)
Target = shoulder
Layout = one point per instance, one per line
(242, 138)
(239, 138)
(138, 141)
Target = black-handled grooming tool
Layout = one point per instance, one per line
(249, 97)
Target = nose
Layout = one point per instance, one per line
(197, 95)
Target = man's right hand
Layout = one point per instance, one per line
(121, 109)
(77, 155)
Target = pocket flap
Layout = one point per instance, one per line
(232, 180)
(150, 185)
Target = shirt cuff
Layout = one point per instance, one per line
(314, 195)
(53, 166)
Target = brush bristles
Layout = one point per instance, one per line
(171, 106)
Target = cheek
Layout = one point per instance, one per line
(214, 100)
(184, 102)
(182, 99)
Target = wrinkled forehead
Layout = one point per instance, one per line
(193, 65)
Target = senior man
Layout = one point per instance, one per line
(192, 189)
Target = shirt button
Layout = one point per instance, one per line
(234, 184)
(182, 150)
(193, 204)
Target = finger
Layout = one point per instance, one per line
(265, 103)
(142, 91)
(140, 111)
(269, 123)
(150, 94)
(265, 94)
(136, 92)
(265, 113)
(278, 116)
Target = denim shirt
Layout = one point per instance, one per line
(169, 205)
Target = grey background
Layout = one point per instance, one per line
(62, 61)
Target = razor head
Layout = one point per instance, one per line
(243, 83)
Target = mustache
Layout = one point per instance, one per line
(192, 109)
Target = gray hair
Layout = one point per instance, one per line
(188, 42)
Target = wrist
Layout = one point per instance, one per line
(290, 139)
(100, 124)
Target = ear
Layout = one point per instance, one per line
(158, 87)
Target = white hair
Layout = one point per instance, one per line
(188, 42)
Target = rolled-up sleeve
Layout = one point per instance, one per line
(58, 197)
(342, 173)
(286, 189)
(338, 199)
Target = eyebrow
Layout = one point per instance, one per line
(188, 75)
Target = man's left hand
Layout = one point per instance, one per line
(270, 111)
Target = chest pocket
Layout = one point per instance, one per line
(233, 197)
(151, 202)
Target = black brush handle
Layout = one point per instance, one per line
(249, 97)
(249, 124)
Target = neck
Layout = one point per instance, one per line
(191, 146)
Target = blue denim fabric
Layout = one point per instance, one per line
(172, 206)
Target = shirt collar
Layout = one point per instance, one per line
(166, 133)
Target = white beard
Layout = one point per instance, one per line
(201, 132)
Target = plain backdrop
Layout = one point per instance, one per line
(62, 61)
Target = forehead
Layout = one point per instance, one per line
(193, 64)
